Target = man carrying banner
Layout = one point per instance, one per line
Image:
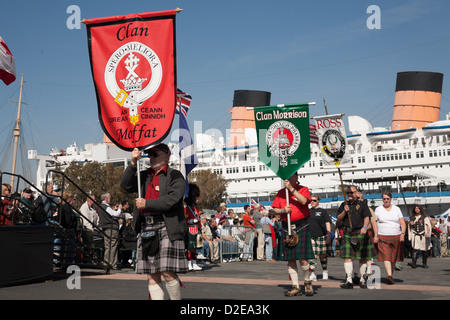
(301, 249)
(159, 218)
(355, 217)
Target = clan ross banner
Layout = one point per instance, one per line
(283, 137)
(133, 63)
(332, 140)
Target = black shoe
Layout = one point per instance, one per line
(355, 279)
(363, 282)
(347, 285)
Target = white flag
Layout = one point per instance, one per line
(7, 64)
(332, 140)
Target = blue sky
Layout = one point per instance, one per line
(300, 51)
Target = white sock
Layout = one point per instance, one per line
(173, 288)
(348, 267)
(294, 276)
(369, 267)
(156, 291)
(306, 273)
(362, 269)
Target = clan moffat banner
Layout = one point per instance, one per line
(133, 63)
(332, 140)
(283, 137)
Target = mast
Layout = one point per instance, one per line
(16, 133)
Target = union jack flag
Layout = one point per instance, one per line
(188, 157)
(183, 102)
(254, 204)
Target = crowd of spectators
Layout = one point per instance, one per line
(227, 236)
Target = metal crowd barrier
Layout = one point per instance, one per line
(236, 243)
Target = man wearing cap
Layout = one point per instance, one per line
(159, 218)
(90, 215)
(299, 198)
(221, 209)
(25, 203)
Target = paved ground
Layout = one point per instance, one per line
(257, 281)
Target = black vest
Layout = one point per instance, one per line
(106, 221)
(419, 226)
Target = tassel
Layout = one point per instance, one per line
(181, 283)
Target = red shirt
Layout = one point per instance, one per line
(298, 211)
(191, 213)
(5, 215)
(247, 218)
(152, 191)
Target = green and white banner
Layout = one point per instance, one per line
(332, 140)
(283, 137)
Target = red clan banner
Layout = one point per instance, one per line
(134, 69)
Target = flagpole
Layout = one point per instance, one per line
(138, 165)
(289, 105)
(288, 213)
(340, 173)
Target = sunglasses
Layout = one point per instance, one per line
(154, 154)
(314, 200)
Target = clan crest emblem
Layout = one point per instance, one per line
(133, 74)
(283, 139)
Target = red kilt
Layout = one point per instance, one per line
(390, 248)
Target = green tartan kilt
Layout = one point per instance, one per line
(191, 241)
(303, 249)
(366, 248)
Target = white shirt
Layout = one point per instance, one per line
(91, 214)
(111, 211)
(388, 221)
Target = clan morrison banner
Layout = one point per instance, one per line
(283, 137)
(332, 140)
(133, 63)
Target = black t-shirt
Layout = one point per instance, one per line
(358, 211)
(317, 221)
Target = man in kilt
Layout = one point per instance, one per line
(320, 228)
(159, 219)
(299, 199)
(356, 243)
